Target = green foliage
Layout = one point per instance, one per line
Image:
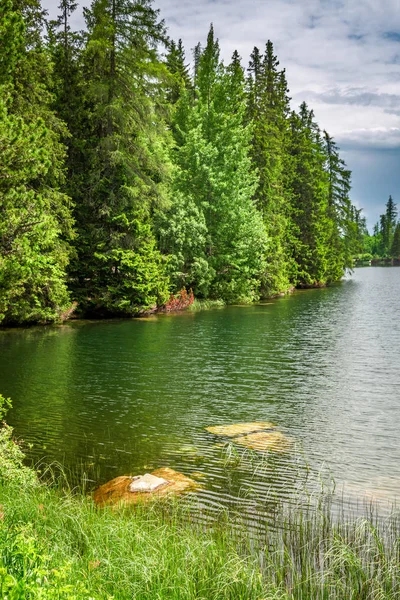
(176, 65)
(64, 47)
(169, 181)
(27, 570)
(33, 255)
(54, 545)
(124, 142)
(35, 221)
(348, 224)
(12, 32)
(220, 246)
(12, 468)
(388, 225)
(395, 249)
(267, 110)
(309, 185)
(182, 232)
(384, 242)
(5, 405)
(326, 229)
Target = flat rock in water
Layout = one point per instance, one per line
(240, 428)
(263, 441)
(118, 491)
(261, 436)
(147, 483)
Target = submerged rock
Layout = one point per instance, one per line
(240, 428)
(275, 441)
(131, 490)
(261, 436)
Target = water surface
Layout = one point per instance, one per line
(123, 397)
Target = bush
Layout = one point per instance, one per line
(12, 468)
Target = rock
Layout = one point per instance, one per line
(261, 436)
(240, 428)
(118, 491)
(147, 483)
(198, 475)
(264, 441)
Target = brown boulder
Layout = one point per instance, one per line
(117, 491)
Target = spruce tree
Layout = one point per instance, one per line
(382, 243)
(347, 228)
(268, 108)
(395, 249)
(118, 268)
(383, 234)
(388, 225)
(35, 220)
(176, 65)
(65, 47)
(312, 222)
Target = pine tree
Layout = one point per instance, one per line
(176, 64)
(395, 249)
(35, 220)
(118, 268)
(268, 108)
(312, 222)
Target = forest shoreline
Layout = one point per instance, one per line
(199, 305)
(129, 174)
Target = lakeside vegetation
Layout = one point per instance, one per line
(126, 176)
(383, 246)
(56, 544)
(126, 181)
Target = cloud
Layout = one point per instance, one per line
(378, 137)
(357, 97)
(394, 36)
(341, 56)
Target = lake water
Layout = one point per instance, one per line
(123, 397)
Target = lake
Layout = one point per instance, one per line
(124, 397)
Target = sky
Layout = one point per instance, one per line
(341, 56)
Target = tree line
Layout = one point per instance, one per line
(384, 243)
(126, 176)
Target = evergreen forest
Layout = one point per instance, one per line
(131, 172)
(384, 243)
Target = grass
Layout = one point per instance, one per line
(57, 545)
(147, 554)
(206, 304)
(54, 544)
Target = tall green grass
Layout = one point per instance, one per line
(206, 304)
(54, 544)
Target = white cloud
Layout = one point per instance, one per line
(378, 137)
(342, 56)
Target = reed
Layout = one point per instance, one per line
(206, 304)
(57, 544)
